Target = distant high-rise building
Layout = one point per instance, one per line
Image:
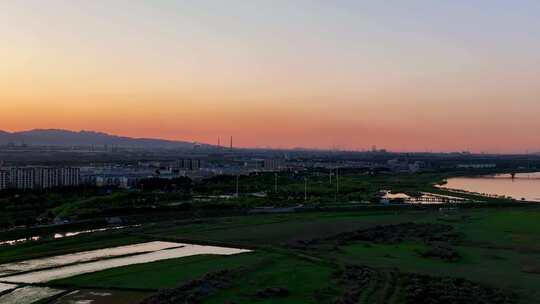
(273, 164)
(4, 179)
(188, 164)
(70, 177)
(22, 178)
(29, 178)
(47, 178)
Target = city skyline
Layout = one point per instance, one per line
(225, 142)
(415, 76)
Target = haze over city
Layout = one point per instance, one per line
(405, 76)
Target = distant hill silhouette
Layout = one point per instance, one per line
(55, 137)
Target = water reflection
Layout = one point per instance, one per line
(62, 235)
(18, 241)
(524, 186)
(69, 234)
(424, 198)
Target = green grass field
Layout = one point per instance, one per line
(498, 247)
(164, 274)
(257, 271)
(275, 230)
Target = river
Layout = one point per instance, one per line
(525, 186)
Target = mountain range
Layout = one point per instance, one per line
(57, 137)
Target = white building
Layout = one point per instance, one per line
(188, 164)
(477, 166)
(70, 177)
(273, 164)
(114, 181)
(47, 178)
(4, 179)
(22, 178)
(29, 178)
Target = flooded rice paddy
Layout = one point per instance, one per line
(102, 297)
(19, 241)
(6, 287)
(80, 257)
(75, 233)
(29, 294)
(61, 235)
(179, 250)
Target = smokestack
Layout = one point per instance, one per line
(231, 144)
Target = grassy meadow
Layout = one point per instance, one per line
(496, 248)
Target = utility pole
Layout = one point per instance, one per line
(337, 179)
(305, 188)
(275, 182)
(330, 175)
(237, 185)
(528, 161)
(337, 184)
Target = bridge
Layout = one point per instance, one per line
(514, 175)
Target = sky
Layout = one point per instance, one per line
(402, 75)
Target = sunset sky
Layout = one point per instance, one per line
(402, 75)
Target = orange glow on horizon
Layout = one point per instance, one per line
(317, 75)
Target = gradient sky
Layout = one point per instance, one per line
(402, 75)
